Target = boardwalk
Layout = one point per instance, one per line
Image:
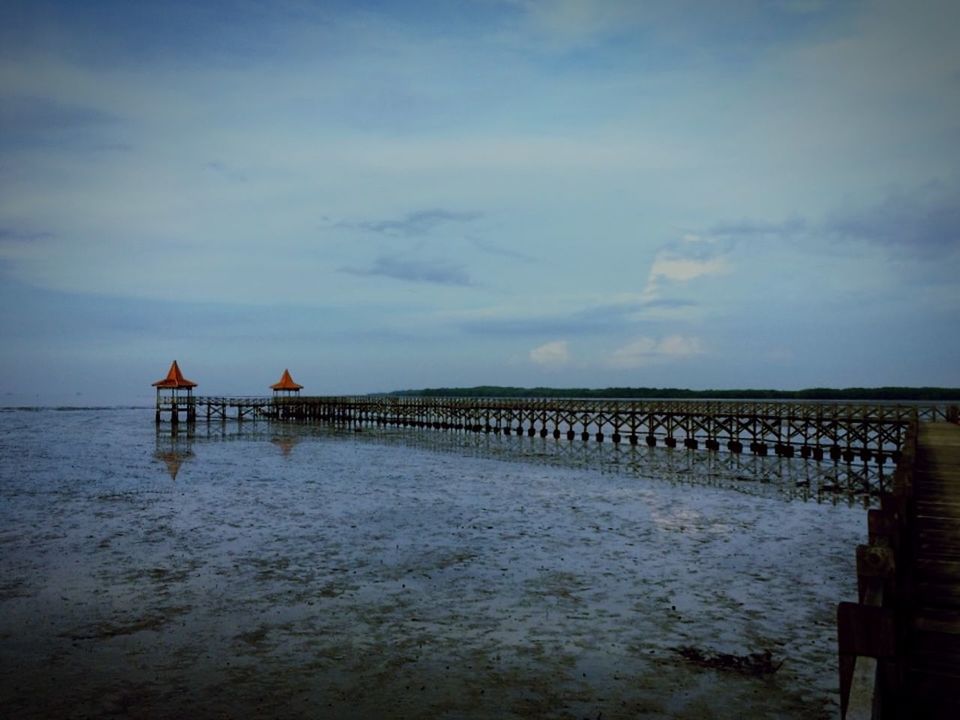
(900, 644)
(933, 635)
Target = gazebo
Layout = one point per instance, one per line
(286, 387)
(175, 392)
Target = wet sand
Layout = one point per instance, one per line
(341, 577)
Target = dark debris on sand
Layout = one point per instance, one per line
(754, 664)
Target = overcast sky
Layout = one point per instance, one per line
(388, 195)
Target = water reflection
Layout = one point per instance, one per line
(772, 476)
(286, 442)
(786, 478)
(174, 447)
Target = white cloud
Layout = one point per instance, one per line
(551, 354)
(680, 262)
(646, 351)
(573, 22)
(679, 346)
(685, 269)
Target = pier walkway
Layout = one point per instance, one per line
(900, 645)
(933, 635)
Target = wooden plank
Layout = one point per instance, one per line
(935, 568)
(860, 689)
(935, 649)
(934, 632)
(866, 630)
(938, 620)
(880, 527)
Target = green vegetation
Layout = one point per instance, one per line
(881, 393)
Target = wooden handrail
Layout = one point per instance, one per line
(870, 633)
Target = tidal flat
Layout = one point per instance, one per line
(309, 571)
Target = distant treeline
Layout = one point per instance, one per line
(880, 393)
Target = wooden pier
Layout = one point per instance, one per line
(817, 430)
(900, 644)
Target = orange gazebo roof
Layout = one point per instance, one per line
(286, 383)
(174, 379)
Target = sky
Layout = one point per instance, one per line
(389, 195)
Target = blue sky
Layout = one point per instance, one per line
(387, 195)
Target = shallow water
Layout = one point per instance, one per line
(306, 571)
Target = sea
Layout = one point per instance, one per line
(266, 569)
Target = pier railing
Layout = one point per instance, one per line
(870, 632)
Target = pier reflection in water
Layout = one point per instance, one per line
(830, 481)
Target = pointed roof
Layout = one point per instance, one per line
(174, 379)
(286, 383)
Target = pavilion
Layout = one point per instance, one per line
(286, 387)
(175, 393)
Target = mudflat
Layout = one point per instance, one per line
(311, 573)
